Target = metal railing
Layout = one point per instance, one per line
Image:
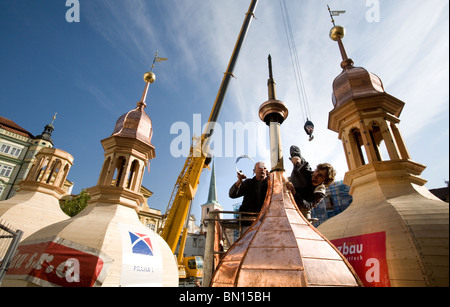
(9, 240)
(218, 239)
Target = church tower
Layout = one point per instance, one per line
(395, 232)
(212, 203)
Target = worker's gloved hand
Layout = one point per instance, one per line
(295, 152)
(296, 155)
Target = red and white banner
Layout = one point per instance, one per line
(367, 255)
(59, 262)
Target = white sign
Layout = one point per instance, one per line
(141, 257)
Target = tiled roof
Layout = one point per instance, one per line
(9, 125)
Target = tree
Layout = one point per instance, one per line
(73, 206)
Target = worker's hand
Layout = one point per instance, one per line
(296, 160)
(290, 187)
(241, 176)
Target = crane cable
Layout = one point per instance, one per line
(301, 91)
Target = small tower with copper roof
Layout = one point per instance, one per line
(405, 226)
(106, 244)
(127, 153)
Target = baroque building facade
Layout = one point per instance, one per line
(18, 150)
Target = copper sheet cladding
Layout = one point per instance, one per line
(282, 249)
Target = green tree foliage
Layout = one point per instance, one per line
(73, 206)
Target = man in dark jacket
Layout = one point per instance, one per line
(308, 186)
(254, 190)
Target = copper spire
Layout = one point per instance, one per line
(273, 112)
(271, 82)
(136, 123)
(149, 78)
(353, 82)
(337, 33)
(281, 248)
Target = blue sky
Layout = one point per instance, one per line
(90, 73)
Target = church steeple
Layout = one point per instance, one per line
(212, 194)
(212, 202)
(47, 133)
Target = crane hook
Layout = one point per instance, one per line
(309, 129)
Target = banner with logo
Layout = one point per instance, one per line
(367, 255)
(59, 262)
(141, 257)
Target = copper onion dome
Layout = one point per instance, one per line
(353, 82)
(136, 123)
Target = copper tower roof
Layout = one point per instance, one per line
(281, 248)
(136, 123)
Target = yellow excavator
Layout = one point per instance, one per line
(177, 212)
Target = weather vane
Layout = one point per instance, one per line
(150, 77)
(54, 117)
(157, 59)
(334, 13)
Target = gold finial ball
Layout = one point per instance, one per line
(149, 77)
(337, 32)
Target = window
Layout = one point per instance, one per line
(15, 152)
(5, 170)
(8, 149)
(5, 148)
(1, 190)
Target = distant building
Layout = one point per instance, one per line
(441, 193)
(151, 218)
(337, 200)
(212, 203)
(18, 149)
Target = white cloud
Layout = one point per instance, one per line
(405, 49)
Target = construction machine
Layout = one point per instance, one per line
(177, 212)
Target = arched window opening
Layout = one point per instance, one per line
(54, 170)
(118, 172)
(381, 149)
(376, 138)
(358, 141)
(103, 180)
(134, 169)
(42, 167)
(63, 178)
